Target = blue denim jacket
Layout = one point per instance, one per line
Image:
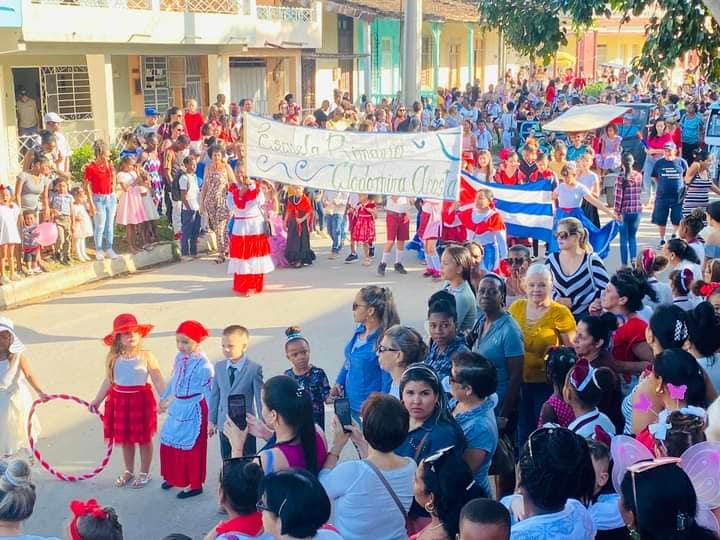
(361, 373)
(435, 434)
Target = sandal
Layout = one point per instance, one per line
(142, 480)
(124, 478)
(367, 262)
(220, 259)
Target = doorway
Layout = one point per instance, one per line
(28, 79)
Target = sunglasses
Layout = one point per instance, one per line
(355, 306)
(515, 260)
(434, 458)
(564, 235)
(383, 348)
(534, 434)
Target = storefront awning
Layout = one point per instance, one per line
(585, 118)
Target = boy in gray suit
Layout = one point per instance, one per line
(237, 374)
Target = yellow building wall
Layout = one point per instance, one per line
(620, 47)
(327, 69)
(453, 56)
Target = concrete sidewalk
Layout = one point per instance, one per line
(65, 279)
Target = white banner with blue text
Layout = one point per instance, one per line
(413, 164)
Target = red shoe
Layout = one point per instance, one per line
(428, 272)
(178, 236)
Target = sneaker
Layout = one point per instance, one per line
(99, 256)
(400, 269)
(351, 258)
(381, 268)
(436, 274)
(428, 272)
(110, 253)
(371, 251)
(661, 244)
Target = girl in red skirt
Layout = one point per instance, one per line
(250, 256)
(130, 416)
(363, 228)
(184, 436)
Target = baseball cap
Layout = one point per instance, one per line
(52, 117)
(151, 111)
(669, 146)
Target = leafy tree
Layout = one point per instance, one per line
(537, 28)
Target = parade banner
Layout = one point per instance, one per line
(413, 164)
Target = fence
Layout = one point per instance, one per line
(285, 14)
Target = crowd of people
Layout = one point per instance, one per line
(545, 399)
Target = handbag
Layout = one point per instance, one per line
(503, 460)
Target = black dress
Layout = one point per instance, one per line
(298, 251)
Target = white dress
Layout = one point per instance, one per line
(9, 230)
(15, 403)
(83, 224)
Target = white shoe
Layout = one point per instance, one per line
(110, 253)
(99, 256)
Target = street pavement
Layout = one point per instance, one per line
(63, 336)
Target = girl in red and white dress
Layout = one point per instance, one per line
(363, 228)
(250, 256)
(431, 231)
(184, 435)
(130, 416)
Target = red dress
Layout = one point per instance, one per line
(363, 228)
(250, 257)
(626, 338)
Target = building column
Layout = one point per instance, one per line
(296, 79)
(102, 97)
(470, 52)
(435, 29)
(413, 46)
(367, 71)
(219, 76)
(9, 142)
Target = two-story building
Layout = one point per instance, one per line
(99, 63)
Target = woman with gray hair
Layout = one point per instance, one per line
(17, 499)
(544, 323)
(400, 347)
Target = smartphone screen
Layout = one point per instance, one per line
(237, 410)
(342, 410)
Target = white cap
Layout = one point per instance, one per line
(52, 117)
(6, 325)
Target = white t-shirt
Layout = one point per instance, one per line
(397, 204)
(571, 523)
(571, 196)
(363, 507)
(588, 421)
(588, 180)
(188, 182)
(699, 248)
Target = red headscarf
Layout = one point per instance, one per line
(84, 508)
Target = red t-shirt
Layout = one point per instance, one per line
(626, 337)
(193, 125)
(99, 176)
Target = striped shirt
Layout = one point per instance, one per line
(697, 193)
(582, 287)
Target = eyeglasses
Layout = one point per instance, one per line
(383, 348)
(355, 306)
(562, 235)
(263, 507)
(515, 260)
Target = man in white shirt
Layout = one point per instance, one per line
(483, 136)
(27, 114)
(335, 206)
(190, 213)
(397, 221)
(52, 123)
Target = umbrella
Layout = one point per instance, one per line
(585, 118)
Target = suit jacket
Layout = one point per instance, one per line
(248, 381)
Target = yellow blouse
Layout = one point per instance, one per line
(545, 333)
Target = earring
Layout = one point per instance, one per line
(659, 390)
(429, 508)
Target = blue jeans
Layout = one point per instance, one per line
(628, 237)
(335, 223)
(648, 166)
(190, 231)
(105, 206)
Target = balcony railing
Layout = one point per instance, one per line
(286, 14)
(207, 6)
(117, 4)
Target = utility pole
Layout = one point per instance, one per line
(412, 48)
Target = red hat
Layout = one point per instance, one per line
(193, 329)
(125, 323)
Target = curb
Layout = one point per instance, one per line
(59, 281)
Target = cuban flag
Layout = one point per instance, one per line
(526, 209)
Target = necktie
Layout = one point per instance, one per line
(232, 371)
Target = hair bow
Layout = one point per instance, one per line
(659, 430)
(709, 288)
(84, 508)
(694, 410)
(582, 374)
(686, 279)
(602, 436)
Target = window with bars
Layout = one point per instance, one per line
(479, 58)
(601, 54)
(156, 90)
(454, 65)
(66, 91)
(426, 66)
